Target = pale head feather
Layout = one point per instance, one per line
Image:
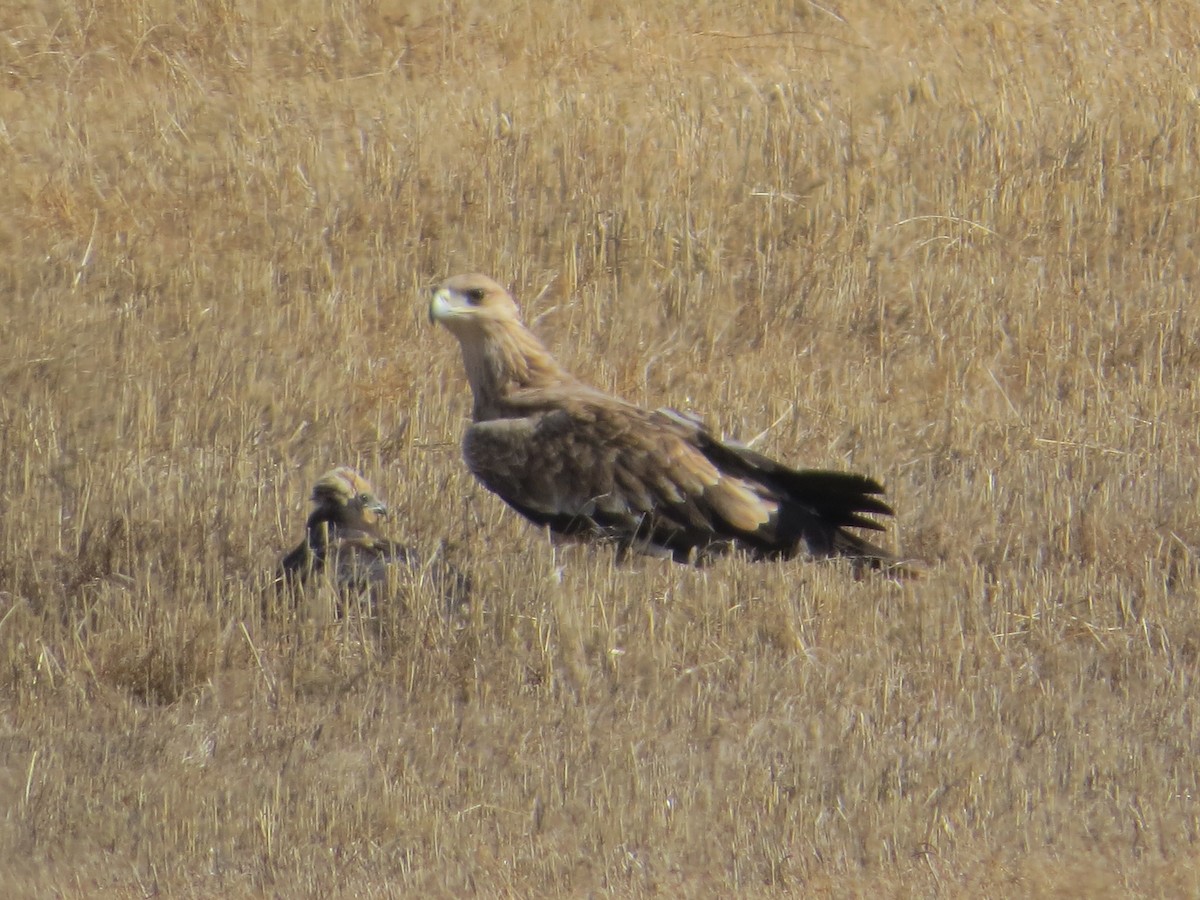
(502, 357)
(346, 496)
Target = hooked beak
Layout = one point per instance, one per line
(441, 307)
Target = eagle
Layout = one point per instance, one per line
(589, 465)
(343, 539)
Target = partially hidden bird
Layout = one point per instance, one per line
(343, 541)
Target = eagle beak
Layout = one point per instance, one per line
(380, 509)
(440, 307)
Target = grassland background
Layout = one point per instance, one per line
(954, 245)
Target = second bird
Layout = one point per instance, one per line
(343, 541)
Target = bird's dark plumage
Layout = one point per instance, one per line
(585, 463)
(343, 542)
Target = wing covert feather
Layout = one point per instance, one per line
(614, 460)
(540, 462)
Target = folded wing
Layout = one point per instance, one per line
(661, 483)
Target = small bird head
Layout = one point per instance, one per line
(343, 496)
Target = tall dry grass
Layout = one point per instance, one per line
(951, 245)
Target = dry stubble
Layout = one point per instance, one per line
(953, 246)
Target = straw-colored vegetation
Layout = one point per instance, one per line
(952, 245)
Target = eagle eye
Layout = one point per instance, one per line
(474, 295)
(364, 499)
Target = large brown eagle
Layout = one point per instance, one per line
(343, 541)
(585, 463)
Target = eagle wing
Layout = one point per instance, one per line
(816, 505)
(661, 483)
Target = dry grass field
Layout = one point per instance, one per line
(952, 245)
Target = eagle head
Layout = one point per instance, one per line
(466, 303)
(346, 497)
